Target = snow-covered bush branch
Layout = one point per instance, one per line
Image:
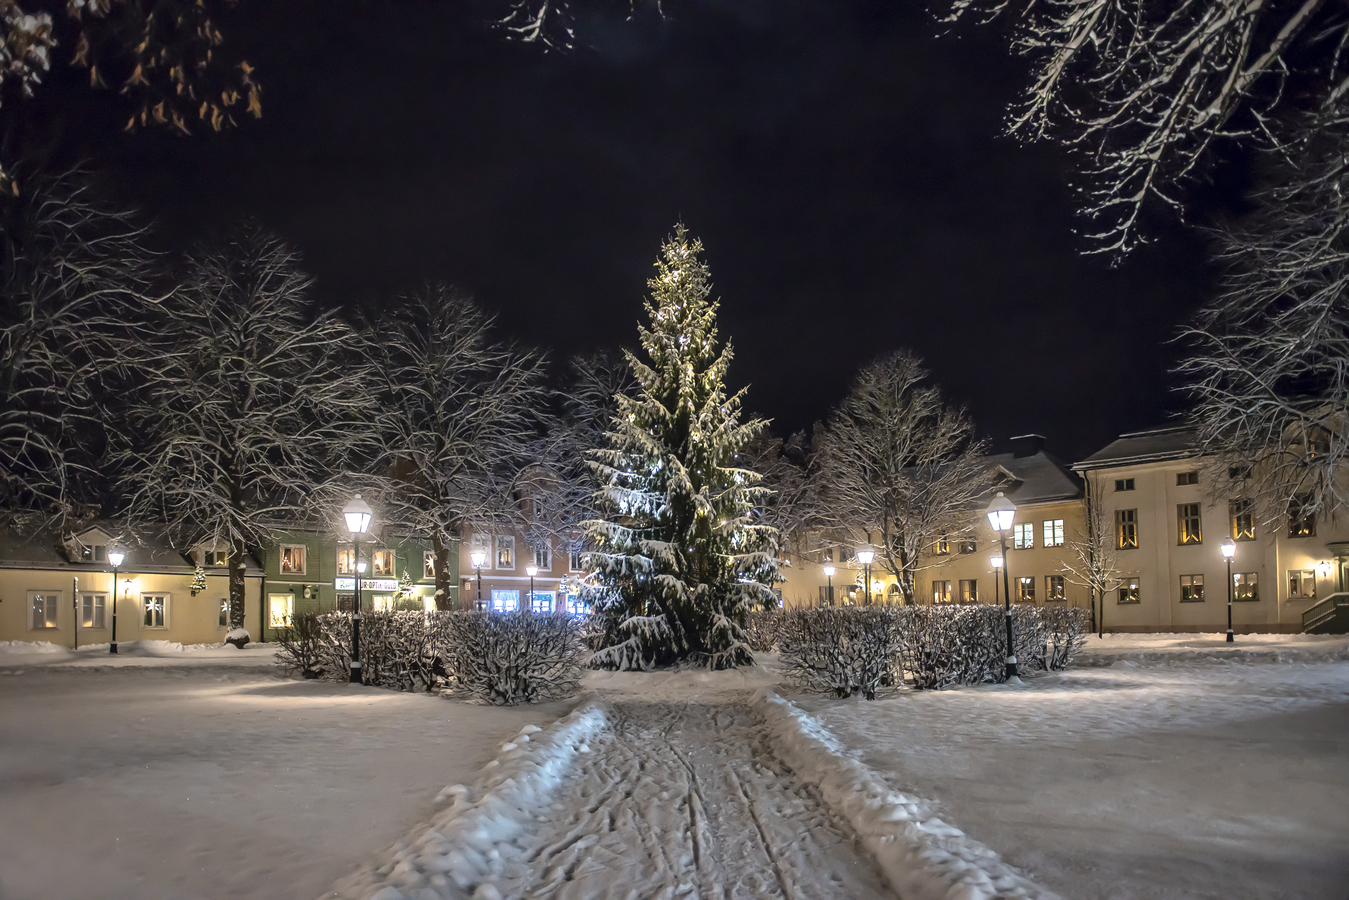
(841, 650)
(510, 658)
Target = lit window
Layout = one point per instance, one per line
(941, 592)
(576, 561)
(280, 610)
(94, 553)
(1124, 484)
(969, 590)
(44, 610)
(381, 563)
(542, 602)
(1054, 588)
(156, 610)
(93, 610)
(346, 561)
(1301, 584)
(1188, 526)
(575, 607)
(292, 559)
(1128, 592)
(1184, 478)
(1023, 536)
(1192, 589)
(505, 601)
(382, 603)
(1244, 587)
(505, 558)
(1025, 589)
(1126, 529)
(214, 557)
(224, 612)
(428, 564)
(1243, 519)
(1053, 532)
(968, 547)
(941, 548)
(1301, 521)
(543, 558)
(826, 556)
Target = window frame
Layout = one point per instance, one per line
(1188, 585)
(503, 543)
(1023, 583)
(1185, 535)
(1023, 535)
(428, 564)
(1187, 478)
(223, 613)
(1237, 510)
(969, 590)
(544, 562)
(941, 590)
(941, 548)
(281, 562)
(504, 595)
(969, 547)
(1244, 580)
(1304, 576)
(388, 554)
(98, 611)
(288, 601)
(1056, 590)
(1300, 524)
(1130, 588)
(51, 610)
(576, 561)
(163, 608)
(1126, 529)
(535, 606)
(346, 560)
(1123, 484)
(1053, 533)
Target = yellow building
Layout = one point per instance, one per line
(1168, 536)
(58, 589)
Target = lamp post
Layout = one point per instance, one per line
(829, 574)
(358, 515)
(1000, 514)
(531, 571)
(1229, 550)
(997, 567)
(115, 557)
(479, 559)
(865, 556)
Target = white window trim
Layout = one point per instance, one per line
(304, 569)
(428, 564)
(60, 603)
(579, 554)
(497, 542)
(547, 550)
(289, 600)
(104, 595)
(393, 563)
(168, 607)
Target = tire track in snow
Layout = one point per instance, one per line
(684, 800)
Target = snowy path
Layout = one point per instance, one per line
(684, 800)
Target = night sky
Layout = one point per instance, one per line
(842, 163)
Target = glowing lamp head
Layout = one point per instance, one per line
(996, 561)
(1001, 512)
(479, 558)
(115, 557)
(829, 571)
(865, 555)
(1229, 550)
(531, 571)
(1324, 568)
(358, 515)
(360, 567)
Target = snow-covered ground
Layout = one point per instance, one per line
(1163, 771)
(144, 778)
(1166, 766)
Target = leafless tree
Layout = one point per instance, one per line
(456, 411)
(73, 270)
(1146, 90)
(246, 404)
(1092, 560)
(1269, 374)
(898, 462)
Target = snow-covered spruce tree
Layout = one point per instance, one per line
(679, 554)
(245, 405)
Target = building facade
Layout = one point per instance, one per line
(502, 583)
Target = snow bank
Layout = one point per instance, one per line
(26, 650)
(922, 857)
(1155, 648)
(475, 839)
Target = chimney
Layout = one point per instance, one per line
(1024, 445)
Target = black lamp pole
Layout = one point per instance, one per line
(356, 616)
(1007, 605)
(112, 646)
(1229, 550)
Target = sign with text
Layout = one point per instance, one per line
(368, 584)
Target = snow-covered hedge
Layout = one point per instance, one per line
(1068, 627)
(509, 658)
(763, 629)
(841, 650)
(500, 657)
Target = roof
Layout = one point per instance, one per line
(1038, 478)
(146, 551)
(1154, 445)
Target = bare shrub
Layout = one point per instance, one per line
(401, 650)
(840, 650)
(510, 658)
(301, 644)
(763, 629)
(946, 645)
(1067, 628)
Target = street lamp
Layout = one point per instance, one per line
(1229, 550)
(997, 565)
(479, 559)
(865, 556)
(1000, 514)
(531, 571)
(358, 515)
(829, 573)
(115, 557)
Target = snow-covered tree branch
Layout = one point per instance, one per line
(899, 464)
(1092, 560)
